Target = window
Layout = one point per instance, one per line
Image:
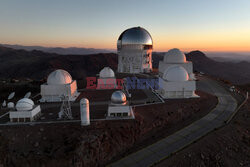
(112, 114)
(125, 114)
(147, 47)
(119, 114)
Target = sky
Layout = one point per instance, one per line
(211, 25)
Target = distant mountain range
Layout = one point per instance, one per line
(229, 56)
(37, 65)
(236, 72)
(60, 50)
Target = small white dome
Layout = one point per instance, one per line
(118, 97)
(174, 56)
(59, 77)
(24, 104)
(11, 105)
(107, 72)
(176, 74)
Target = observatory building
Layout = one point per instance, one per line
(106, 79)
(134, 47)
(175, 57)
(119, 106)
(59, 84)
(25, 111)
(176, 83)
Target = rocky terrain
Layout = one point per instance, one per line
(102, 142)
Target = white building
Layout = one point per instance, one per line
(25, 111)
(119, 106)
(175, 57)
(134, 47)
(84, 112)
(59, 83)
(175, 83)
(106, 79)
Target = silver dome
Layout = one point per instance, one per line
(135, 36)
(118, 97)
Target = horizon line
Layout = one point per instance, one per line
(114, 49)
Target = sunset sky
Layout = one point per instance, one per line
(211, 25)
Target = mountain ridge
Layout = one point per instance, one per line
(60, 50)
(37, 65)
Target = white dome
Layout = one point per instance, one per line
(11, 105)
(107, 72)
(176, 74)
(59, 77)
(174, 56)
(24, 104)
(118, 97)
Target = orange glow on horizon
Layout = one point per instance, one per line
(217, 42)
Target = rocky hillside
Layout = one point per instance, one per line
(235, 72)
(228, 146)
(37, 64)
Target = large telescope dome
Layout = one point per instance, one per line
(135, 36)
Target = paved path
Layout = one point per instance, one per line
(160, 150)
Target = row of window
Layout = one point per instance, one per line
(119, 114)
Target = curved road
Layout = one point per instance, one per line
(160, 150)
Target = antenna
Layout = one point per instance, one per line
(4, 104)
(27, 95)
(11, 95)
(65, 110)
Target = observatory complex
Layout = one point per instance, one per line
(134, 47)
(115, 108)
(59, 83)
